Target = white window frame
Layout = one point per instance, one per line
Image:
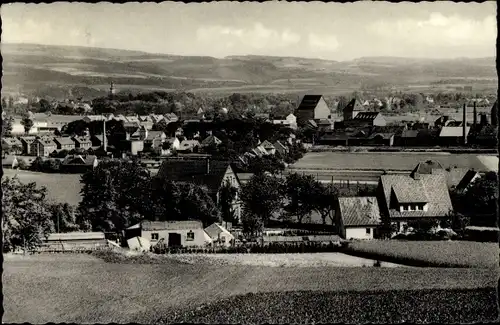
(155, 234)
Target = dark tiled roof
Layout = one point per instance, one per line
(211, 139)
(64, 141)
(359, 211)
(195, 171)
(12, 141)
(353, 105)
(309, 102)
(426, 167)
(410, 192)
(434, 187)
(366, 116)
(466, 180)
(82, 139)
(455, 175)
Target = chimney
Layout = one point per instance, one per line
(474, 119)
(104, 140)
(464, 124)
(208, 166)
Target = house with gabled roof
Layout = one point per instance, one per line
(79, 163)
(211, 140)
(281, 148)
(185, 233)
(189, 146)
(12, 144)
(219, 235)
(312, 107)
(154, 139)
(366, 119)
(269, 147)
(26, 142)
(414, 197)
(41, 147)
(82, 142)
(352, 109)
(132, 119)
(64, 143)
(210, 174)
(358, 217)
(453, 135)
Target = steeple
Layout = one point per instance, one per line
(112, 89)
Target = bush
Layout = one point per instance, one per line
(482, 234)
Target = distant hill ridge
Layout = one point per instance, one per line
(31, 68)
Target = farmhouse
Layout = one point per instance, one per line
(172, 233)
(74, 241)
(358, 217)
(415, 197)
(312, 107)
(290, 120)
(219, 235)
(281, 148)
(210, 174)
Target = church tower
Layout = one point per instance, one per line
(112, 89)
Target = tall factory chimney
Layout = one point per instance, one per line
(464, 125)
(104, 138)
(474, 120)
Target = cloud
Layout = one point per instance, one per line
(323, 43)
(42, 32)
(438, 29)
(257, 37)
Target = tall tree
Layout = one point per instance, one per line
(261, 197)
(115, 195)
(28, 123)
(299, 193)
(227, 196)
(325, 200)
(26, 219)
(63, 217)
(7, 126)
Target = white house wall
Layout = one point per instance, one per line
(199, 236)
(322, 111)
(359, 233)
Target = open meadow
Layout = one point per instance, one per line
(429, 253)
(86, 289)
(61, 188)
(401, 161)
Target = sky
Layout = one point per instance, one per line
(333, 31)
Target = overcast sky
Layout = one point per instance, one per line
(318, 30)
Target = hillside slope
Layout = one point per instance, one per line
(38, 69)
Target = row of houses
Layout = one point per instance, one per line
(43, 146)
(75, 163)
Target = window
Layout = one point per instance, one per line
(190, 236)
(368, 231)
(223, 239)
(154, 236)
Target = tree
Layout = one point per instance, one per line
(227, 196)
(25, 216)
(44, 105)
(261, 197)
(7, 126)
(28, 123)
(299, 193)
(342, 104)
(479, 201)
(115, 195)
(181, 201)
(63, 217)
(325, 200)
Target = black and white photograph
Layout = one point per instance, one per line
(235, 162)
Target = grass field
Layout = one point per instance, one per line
(395, 307)
(381, 160)
(62, 188)
(279, 260)
(85, 289)
(429, 253)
